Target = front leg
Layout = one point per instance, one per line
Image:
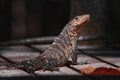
(74, 58)
(74, 53)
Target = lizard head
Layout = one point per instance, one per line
(80, 20)
(76, 25)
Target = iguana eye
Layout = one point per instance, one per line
(76, 18)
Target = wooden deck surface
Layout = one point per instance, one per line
(20, 53)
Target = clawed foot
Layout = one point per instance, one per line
(71, 63)
(52, 69)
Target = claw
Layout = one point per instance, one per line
(52, 69)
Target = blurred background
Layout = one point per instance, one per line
(35, 18)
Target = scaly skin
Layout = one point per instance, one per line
(59, 52)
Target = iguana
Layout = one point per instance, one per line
(59, 52)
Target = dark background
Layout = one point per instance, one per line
(35, 18)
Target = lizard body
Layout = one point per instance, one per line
(60, 50)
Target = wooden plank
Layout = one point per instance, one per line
(83, 61)
(12, 73)
(18, 48)
(17, 53)
(63, 70)
(95, 63)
